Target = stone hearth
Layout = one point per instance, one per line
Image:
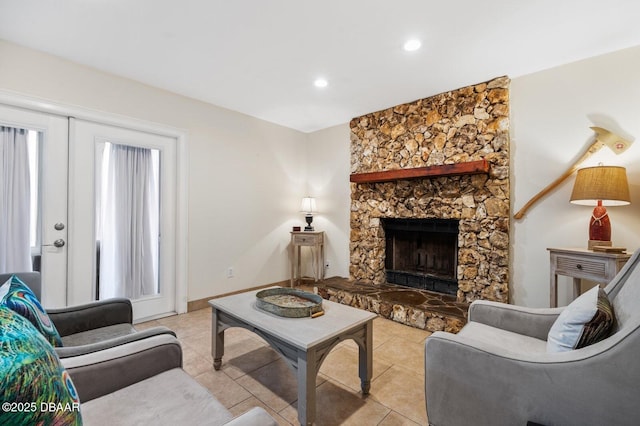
(416, 308)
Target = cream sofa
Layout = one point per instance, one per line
(121, 376)
(142, 383)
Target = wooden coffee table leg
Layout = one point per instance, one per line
(365, 359)
(217, 341)
(307, 387)
(217, 363)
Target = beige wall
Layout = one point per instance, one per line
(328, 179)
(246, 176)
(551, 112)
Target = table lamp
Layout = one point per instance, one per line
(600, 186)
(308, 206)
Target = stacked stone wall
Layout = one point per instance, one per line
(463, 125)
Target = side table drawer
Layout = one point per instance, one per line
(582, 264)
(307, 240)
(581, 268)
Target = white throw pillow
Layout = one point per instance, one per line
(566, 331)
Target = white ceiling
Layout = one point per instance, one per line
(260, 57)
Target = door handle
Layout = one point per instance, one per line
(57, 243)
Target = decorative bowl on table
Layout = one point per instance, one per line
(289, 302)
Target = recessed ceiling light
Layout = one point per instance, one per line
(320, 82)
(411, 45)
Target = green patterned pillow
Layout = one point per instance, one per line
(35, 389)
(15, 295)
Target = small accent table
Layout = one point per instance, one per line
(313, 239)
(582, 264)
(303, 342)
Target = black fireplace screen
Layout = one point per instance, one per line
(422, 253)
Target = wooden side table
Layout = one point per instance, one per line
(313, 239)
(582, 264)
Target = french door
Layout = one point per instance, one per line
(87, 146)
(52, 156)
(69, 157)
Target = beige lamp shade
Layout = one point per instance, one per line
(308, 205)
(601, 183)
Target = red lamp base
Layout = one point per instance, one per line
(599, 227)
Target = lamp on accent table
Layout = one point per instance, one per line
(600, 186)
(308, 206)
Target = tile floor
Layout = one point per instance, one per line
(252, 374)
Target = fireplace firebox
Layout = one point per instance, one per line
(422, 253)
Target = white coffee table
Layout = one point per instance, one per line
(303, 342)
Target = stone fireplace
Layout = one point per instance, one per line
(454, 128)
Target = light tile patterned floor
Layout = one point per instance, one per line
(253, 374)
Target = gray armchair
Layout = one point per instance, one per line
(93, 326)
(496, 370)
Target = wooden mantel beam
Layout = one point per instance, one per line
(468, 168)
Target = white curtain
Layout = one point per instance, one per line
(129, 223)
(15, 203)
